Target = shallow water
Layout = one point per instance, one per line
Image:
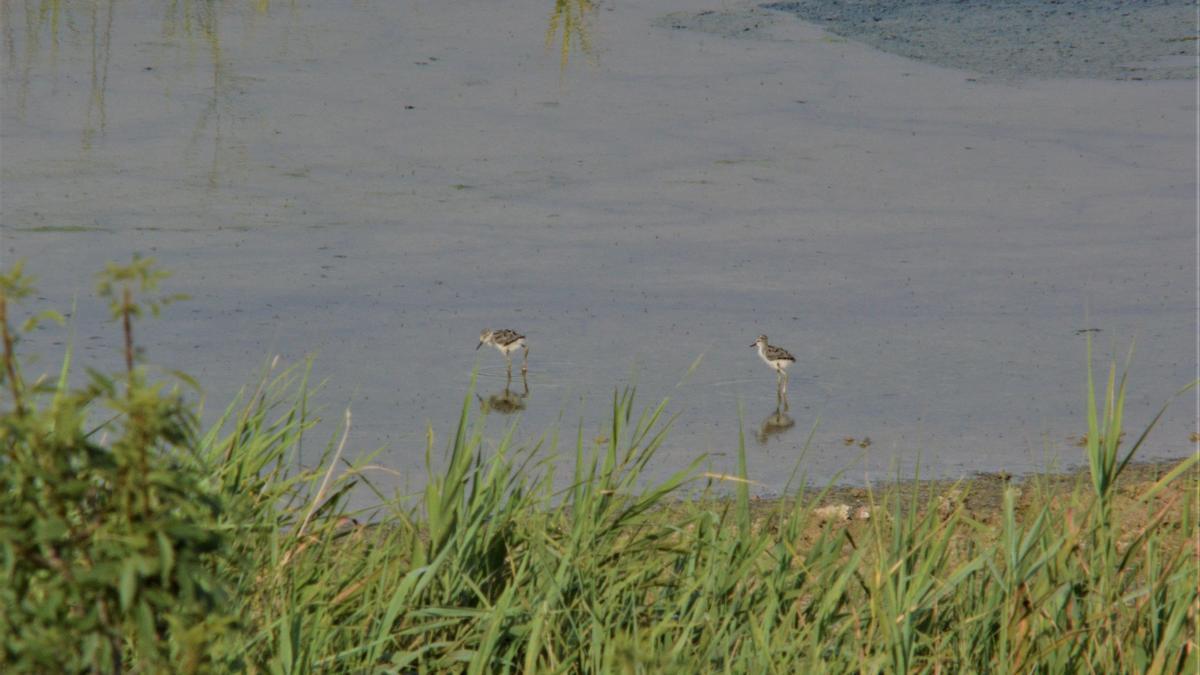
(377, 182)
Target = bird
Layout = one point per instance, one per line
(507, 341)
(777, 358)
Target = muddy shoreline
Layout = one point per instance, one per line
(982, 495)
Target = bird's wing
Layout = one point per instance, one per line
(507, 337)
(781, 354)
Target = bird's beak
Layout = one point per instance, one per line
(754, 344)
(478, 345)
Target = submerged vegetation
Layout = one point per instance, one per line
(133, 540)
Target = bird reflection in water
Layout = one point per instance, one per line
(508, 401)
(777, 423)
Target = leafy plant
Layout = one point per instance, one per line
(108, 534)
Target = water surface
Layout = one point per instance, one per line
(377, 182)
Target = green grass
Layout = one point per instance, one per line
(130, 539)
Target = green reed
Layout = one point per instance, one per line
(132, 540)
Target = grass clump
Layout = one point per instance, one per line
(144, 544)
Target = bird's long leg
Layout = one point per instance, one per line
(781, 402)
(525, 363)
(508, 360)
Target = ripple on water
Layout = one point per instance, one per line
(758, 389)
(543, 374)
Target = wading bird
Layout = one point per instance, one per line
(507, 341)
(779, 359)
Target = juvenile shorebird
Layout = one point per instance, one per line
(778, 358)
(507, 341)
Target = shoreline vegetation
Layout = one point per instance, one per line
(133, 540)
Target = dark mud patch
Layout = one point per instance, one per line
(749, 22)
(1016, 39)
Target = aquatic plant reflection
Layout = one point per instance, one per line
(43, 24)
(572, 19)
(36, 31)
(201, 20)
